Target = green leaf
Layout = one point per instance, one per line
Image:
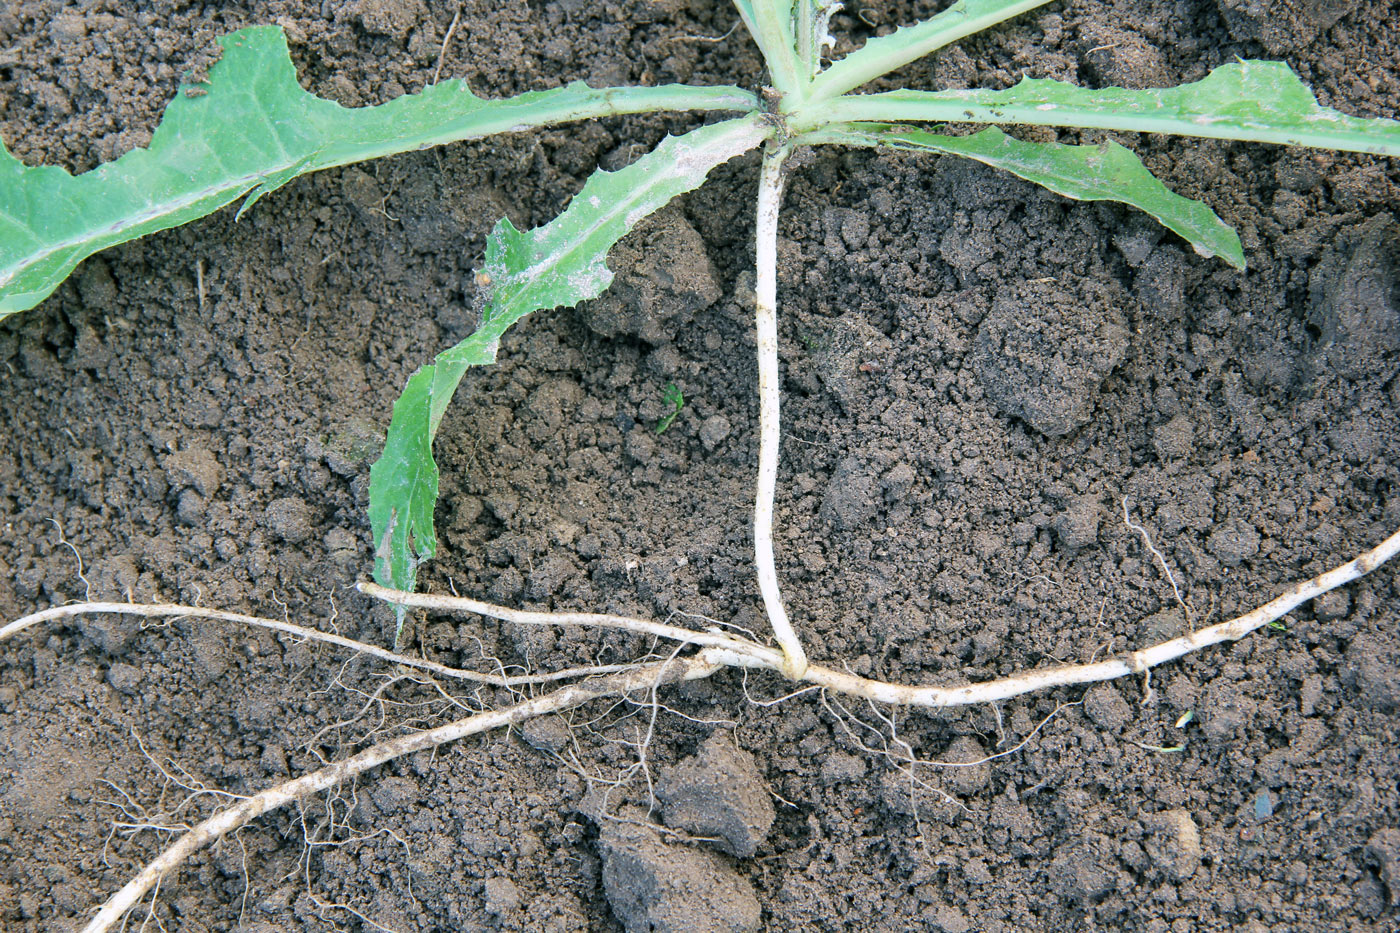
(674, 399)
(1254, 101)
(558, 264)
(883, 54)
(769, 23)
(1107, 172)
(253, 128)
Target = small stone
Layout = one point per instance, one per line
(502, 896)
(653, 887)
(1384, 849)
(341, 545)
(1373, 668)
(1107, 708)
(849, 343)
(1282, 26)
(970, 778)
(67, 28)
(124, 678)
(849, 501)
(1354, 300)
(351, 446)
(389, 17)
(364, 195)
(1119, 58)
(640, 445)
(1173, 843)
(194, 467)
(1079, 871)
(841, 768)
(546, 733)
(1224, 712)
(713, 432)
(190, 509)
(898, 482)
(1233, 543)
(718, 793)
(1077, 526)
(1042, 351)
(1175, 439)
(662, 278)
(289, 519)
(1332, 606)
(949, 919)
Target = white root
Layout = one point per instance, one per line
(643, 678)
(770, 197)
(742, 653)
(583, 619)
(164, 611)
(718, 651)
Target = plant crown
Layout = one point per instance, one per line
(251, 128)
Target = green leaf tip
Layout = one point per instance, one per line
(555, 265)
(1104, 172)
(253, 128)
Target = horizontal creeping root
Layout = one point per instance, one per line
(733, 651)
(718, 651)
(158, 611)
(646, 677)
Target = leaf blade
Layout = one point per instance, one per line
(1248, 100)
(1085, 173)
(883, 54)
(560, 263)
(250, 128)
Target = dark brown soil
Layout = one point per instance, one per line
(195, 414)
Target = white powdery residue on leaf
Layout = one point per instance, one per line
(590, 282)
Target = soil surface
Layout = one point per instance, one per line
(979, 377)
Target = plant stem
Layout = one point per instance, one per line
(770, 196)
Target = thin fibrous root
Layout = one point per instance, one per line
(733, 651)
(159, 611)
(647, 677)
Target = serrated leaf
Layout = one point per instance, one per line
(1247, 100)
(252, 128)
(558, 264)
(1106, 172)
(883, 54)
